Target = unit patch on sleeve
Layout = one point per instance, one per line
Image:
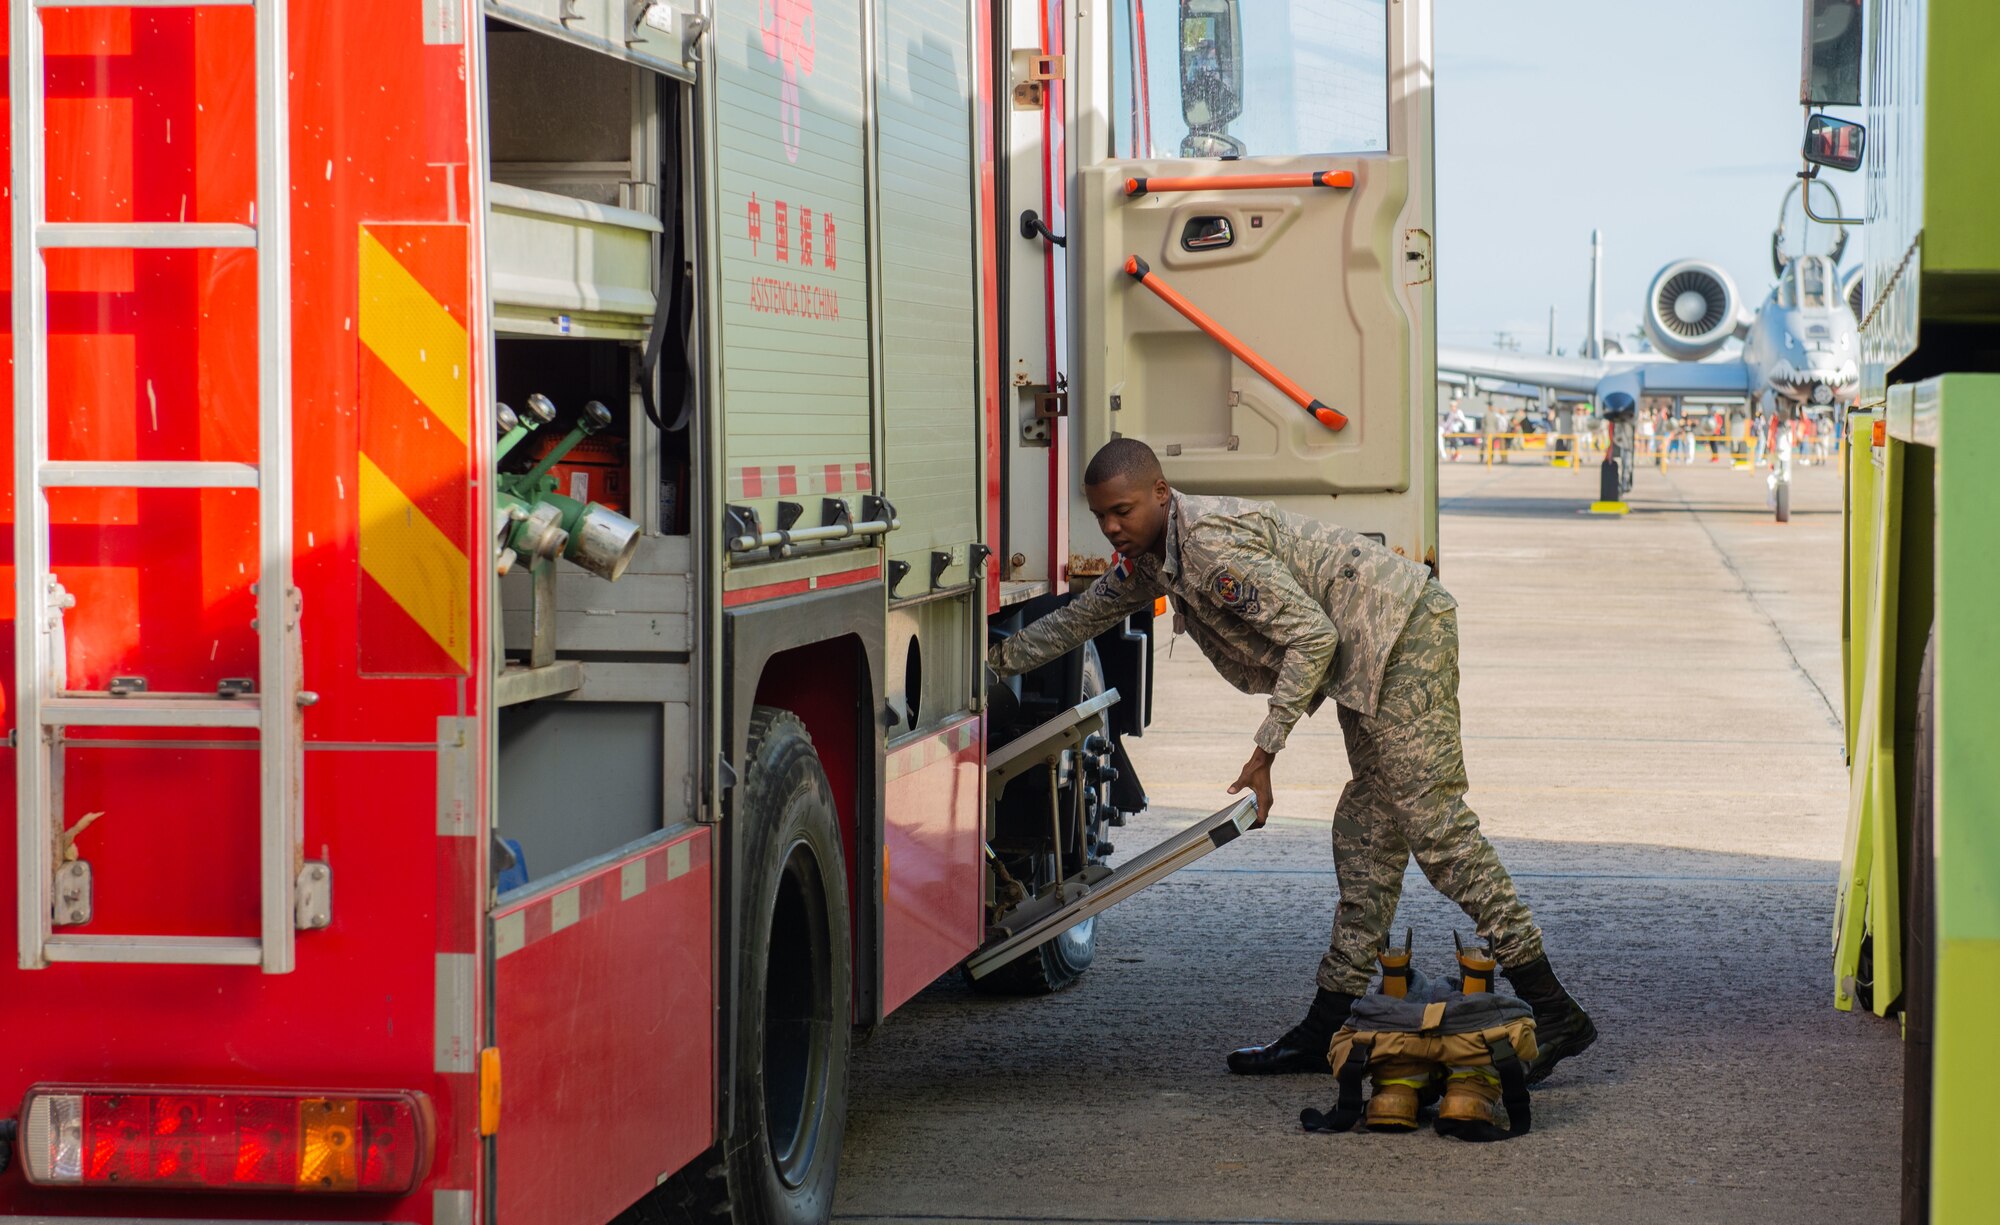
(1235, 592)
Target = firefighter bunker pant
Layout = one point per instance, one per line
(1407, 797)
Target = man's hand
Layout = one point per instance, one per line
(1257, 776)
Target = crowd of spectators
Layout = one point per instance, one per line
(1676, 437)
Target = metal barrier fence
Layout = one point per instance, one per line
(1574, 450)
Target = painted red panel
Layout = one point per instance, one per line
(358, 1012)
(175, 851)
(604, 1016)
(152, 356)
(989, 299)
(799, 586)
(380, 149)
(932, 861)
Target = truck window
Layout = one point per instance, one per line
(1314, 77)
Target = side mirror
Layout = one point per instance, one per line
(1834, 142)
(1211, 65)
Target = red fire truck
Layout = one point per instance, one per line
(509, 500)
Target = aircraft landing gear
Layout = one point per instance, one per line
(1625, 449)
(1621, 412)
(1780, 479)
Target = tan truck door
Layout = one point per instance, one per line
(1268, 167)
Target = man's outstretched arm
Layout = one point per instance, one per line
(1102, 605)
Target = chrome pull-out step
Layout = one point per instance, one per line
(1032, 749)
(1098, 888)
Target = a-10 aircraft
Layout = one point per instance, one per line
(1801, 346)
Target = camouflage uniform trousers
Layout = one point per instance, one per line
(1407, 797)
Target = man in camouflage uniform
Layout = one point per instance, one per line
(1308, 611)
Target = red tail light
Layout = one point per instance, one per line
(184, 1144)
(214, 1140)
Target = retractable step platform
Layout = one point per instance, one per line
(1097, 888)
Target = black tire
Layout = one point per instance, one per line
(789, 1084)
(1920, 951)
(1057, 964)
(1784, 501)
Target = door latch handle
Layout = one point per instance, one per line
(1207, 234)
(1032, 227)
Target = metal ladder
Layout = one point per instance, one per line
(44, 705)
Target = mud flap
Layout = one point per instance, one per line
(1098, 888)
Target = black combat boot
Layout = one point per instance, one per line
(1562, 1027)
(1303, 1047)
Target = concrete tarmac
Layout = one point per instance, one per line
(1651, 729)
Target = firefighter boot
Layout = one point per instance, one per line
(1470, 1110)
(1562, 1027)
(1303, 1047)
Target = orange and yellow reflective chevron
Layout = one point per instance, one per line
(412, 486)
(414, 335)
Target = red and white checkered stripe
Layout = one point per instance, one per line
(791, 480)
(458, 977)
(544, 916)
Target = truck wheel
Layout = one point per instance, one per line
(1920, 951)
(788, 1090)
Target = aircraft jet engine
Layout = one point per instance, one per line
(1851, 291)
(1690, 310)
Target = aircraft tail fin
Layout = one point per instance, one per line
(1593, 340)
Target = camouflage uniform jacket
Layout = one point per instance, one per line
(1279, 603)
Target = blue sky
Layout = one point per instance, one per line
(1673, 127)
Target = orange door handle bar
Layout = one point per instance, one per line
(1139, 271)
(1245, 182)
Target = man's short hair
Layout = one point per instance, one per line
(1123, 457)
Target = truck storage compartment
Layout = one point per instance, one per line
(573, 203)
(567, 267)
(595, 654)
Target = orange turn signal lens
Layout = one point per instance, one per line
(489, 1072)
(1881, 432)
(328, 1134)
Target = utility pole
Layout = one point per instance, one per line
(1552, 330)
